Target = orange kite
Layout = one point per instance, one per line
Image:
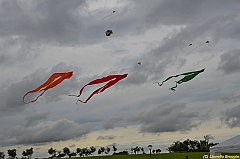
(53, 81)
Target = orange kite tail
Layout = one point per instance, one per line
(53, 81)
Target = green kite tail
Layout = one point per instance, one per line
(188, 76)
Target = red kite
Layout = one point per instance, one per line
(111, 80)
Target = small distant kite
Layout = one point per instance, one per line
(108, 32)
(207, 42)
(188, 76)
(53, 81)
(111, 80)
(190, 45)
(139, 63)
(108, 15)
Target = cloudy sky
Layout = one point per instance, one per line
(39, 38)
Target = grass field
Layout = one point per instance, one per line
(192, 155)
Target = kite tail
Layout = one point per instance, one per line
(167, 79)
(80, 92)
(34, 99)
(158, 83)
(173, 88)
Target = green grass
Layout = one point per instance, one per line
(191, 155)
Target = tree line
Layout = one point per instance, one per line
(81, 152)
(12, 153)
(192, 145)
(177, 146)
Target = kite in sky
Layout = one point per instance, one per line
(111, 80)
(108, 15)
(108, 32)
(139, 63)
(188, 76)
(53, 81)
(207, 42)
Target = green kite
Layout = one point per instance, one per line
(188, 76)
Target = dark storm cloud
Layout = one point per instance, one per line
(60, 130)
(13, 105)
(107, 137)
(35, 118)
(174, 12)
(65, 23)
(166, 118)
(230, 62)
(111, 123)
(42, 20)
(231, 117)
(185, 11)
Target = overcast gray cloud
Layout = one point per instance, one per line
(39, 38)
(35, 118)
(233, 98)
(167, 117)
(107, 137)
(230, 62)
(43, 21)
(48, 131)
(231, 117)
(111, 123)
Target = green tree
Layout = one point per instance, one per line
(102, 149)
(60, 154)
(158, 150)
(71, 154)
(107, 150)
(2, 155)
(29, 152)
(52, 152)
(85, 151)
(12, 153)
(24, 153)
(93, 149)
(66, 151)
(114, 148)
(79, 152)
(136, 149)
(99, 152)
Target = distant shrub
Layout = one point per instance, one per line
(120, 153)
